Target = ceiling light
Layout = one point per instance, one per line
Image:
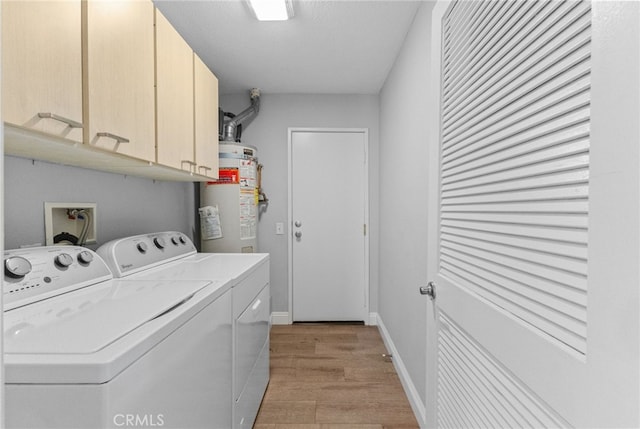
(272, 10)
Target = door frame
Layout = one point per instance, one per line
(433, 197)
(367, 286)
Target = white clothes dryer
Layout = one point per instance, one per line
(172, 255)
(84, 350)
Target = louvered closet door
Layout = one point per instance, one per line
(536, 256)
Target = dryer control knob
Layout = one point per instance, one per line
(175, 240)
(17, 267)
(142, 247)
(85, 257)
(63, 260)
(183, 240)
(159, 242)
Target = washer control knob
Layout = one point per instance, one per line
(17, 267)
(85, 257)
(159, 242)
(142, 247)
(63, 260)
(183, 240)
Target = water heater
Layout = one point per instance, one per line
(229, 205)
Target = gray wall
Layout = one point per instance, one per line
(126, 205)
(268, 132)
(403, 199)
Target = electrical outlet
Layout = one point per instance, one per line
(66, 223)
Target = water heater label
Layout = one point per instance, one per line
(227, 176)
(210, 227)
(248, 173)
(248, 214)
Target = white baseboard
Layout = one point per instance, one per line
(373, 319)
(280, 318)
(409, 388)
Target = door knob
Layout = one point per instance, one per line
(298, 224)
(298, 234)
(429, 290)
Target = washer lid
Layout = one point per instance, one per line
(88, 320)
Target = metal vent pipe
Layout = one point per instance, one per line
(230, 124)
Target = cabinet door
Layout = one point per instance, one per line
(42, 66)
(120, 77)
(174, 102)
(206, 119)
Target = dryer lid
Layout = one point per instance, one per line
(223, 266)
(88, 320)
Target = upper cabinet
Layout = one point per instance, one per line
(119, 77)
(114, 75)
(206, 119)
(42, 66)
(174, 97)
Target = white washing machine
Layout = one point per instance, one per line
(84, 350)
(172, 255)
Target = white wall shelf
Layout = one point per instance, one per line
(28, 143)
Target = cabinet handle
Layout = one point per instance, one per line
(113, 136)
(192, 165)
(205, 168)
(70, 122)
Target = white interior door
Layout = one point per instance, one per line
(535, 209)
(328, 214)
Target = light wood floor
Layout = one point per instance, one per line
(328, 376)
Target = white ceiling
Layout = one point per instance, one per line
(329, 47)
